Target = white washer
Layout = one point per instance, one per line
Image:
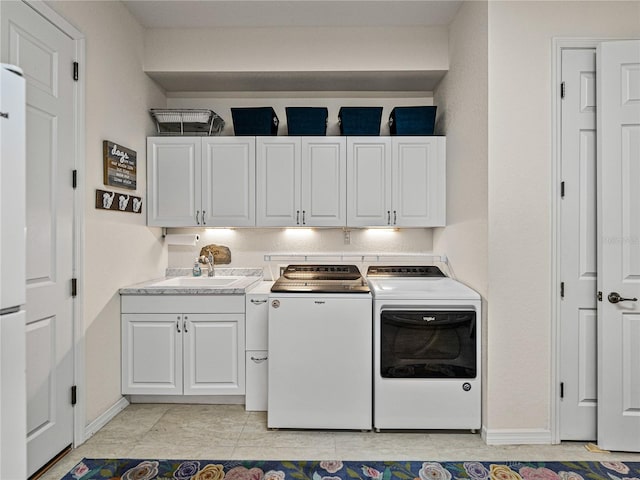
(320, 349)
(427, 356)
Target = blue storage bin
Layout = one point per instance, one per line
(412, 120)
(360, 120)
(254, 121)
(307, 120)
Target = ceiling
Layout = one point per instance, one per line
(294, 13)
(291, 13)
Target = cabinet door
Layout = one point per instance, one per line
(228, 182)
(152, 354)
(257, 310)
(257, 372)
(419, 185)
(214, 354)
(278, 181)
(369, 181)
(173, 181)
(324, 181)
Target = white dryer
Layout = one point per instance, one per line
(427, 350)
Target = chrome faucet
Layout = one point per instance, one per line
(210, 271)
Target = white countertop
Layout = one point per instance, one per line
(252, 277)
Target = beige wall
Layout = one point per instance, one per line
(461, 98)
(520, 100)
(119, 248)
(248, 246)
(296, 49)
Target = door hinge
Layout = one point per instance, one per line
(76, 66)
(74, 179)
(562, 189)
(561, 389)
(74, 287)
(562, 90)
(74, 395)
(561, 289)
(599, 296)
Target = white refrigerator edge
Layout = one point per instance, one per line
(13, 396)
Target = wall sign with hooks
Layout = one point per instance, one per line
(122, 202)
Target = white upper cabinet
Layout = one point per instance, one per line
(301, 181)
(195, 181)
(278, 181)
(418, 173)
(324, 181)
(396, 181)
(173, 181)
(369, 173)
(296, 181)
(228, 182)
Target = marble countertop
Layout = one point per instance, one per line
(251, 277)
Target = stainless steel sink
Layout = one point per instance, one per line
(197, 282)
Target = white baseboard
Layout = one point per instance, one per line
(91, 429)
(200, 399)
(516, 436)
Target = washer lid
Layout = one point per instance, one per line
(432, 288)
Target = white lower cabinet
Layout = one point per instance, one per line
(257, 357)
(168, 353)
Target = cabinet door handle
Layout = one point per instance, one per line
(178, 325)
(388, 217)
(297, 217)
(197, 214)
(203, 220)
(395, 217)
(184, 325)
(304, 214)
(258, 302)
(259, 360)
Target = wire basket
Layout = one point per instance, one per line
(187, 121)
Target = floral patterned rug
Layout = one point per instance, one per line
(131, 469)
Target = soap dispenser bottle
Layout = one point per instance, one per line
(197, 271)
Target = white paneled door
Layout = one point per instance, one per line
(618, 86)
(578, 310)
(46, 56)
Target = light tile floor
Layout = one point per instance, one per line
(227, 432)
